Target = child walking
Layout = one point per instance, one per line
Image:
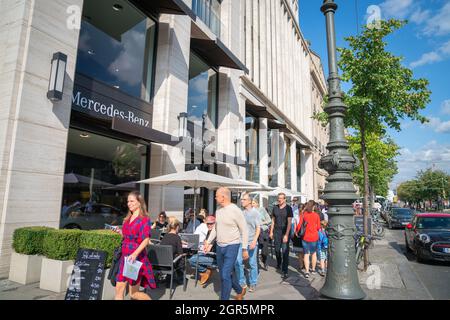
(323, 247)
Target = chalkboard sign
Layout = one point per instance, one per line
(86, 282)
(359, 224)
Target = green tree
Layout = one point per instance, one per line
(434, 185)
(410, 191)
(381, 154)
(383, 91)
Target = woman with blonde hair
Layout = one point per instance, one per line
(173, 239)
(136, 237)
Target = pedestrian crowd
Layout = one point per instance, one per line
(231, 240)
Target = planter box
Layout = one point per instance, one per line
(109, 292)
(55, 275)
(25, 269)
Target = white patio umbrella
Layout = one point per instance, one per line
(127, 186)
(196, 179)
(73, 178)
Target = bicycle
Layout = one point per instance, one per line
(377, 226)
(363, 242)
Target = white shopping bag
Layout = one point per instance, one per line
(131, 270)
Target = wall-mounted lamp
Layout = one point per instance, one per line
(182, 125)
(57, 75)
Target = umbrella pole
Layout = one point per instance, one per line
(195, 208)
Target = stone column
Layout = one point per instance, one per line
(171, 94)
(293, 165)
(263, 155)
(33, 129)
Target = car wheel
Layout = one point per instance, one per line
(418, 256)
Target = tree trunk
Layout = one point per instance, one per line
(365, 164)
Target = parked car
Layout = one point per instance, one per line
(399, 217)
(428, 236)
(91, 217)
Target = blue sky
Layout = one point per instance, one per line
(425, 45)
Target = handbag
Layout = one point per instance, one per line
(115, 266)
(301, 227)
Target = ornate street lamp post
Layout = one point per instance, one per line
(342, 277)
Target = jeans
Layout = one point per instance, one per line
(226, 260)
(204, 262)
(253, 262)
(282, 258)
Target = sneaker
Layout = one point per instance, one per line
(285, 276)
(313, 272)
(307, 275)
(322, 273)
(252, 289)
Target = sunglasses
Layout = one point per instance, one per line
(210, 224)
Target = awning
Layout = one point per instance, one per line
(217, 54)
(259, 111)
(278, 125)
(144, 133)
(178, 7)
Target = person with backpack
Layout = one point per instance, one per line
(308, 229)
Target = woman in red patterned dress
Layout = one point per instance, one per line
(136, 237)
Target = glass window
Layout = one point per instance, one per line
(202, 93)
(99, 174)
(116, 46)
(252, 148)
(209, 12)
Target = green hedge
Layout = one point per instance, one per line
(104, 240)
(29, 240)
(62, 244)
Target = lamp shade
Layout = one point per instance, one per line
(57, 75)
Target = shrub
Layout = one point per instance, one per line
(104, 240)
(29, 240)
(62, 244)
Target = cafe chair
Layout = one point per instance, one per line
(161, 259)
(155, 236)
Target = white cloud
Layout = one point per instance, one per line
(420, 16)
(438, 55)
(438, 125)
(445, 107)
(440, 23)
(431, 154)
(396, 8)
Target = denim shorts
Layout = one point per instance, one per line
(309, 247)
(323, 254)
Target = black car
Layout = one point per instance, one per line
(399, 217)
(91, 217)
(428, 236)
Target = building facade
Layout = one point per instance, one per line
(321, 134)
(149, 88)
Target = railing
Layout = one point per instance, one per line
(209, 15)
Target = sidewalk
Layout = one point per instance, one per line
(398, 282)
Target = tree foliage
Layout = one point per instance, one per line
(381, 154)
(429, 185)
(383, 91)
